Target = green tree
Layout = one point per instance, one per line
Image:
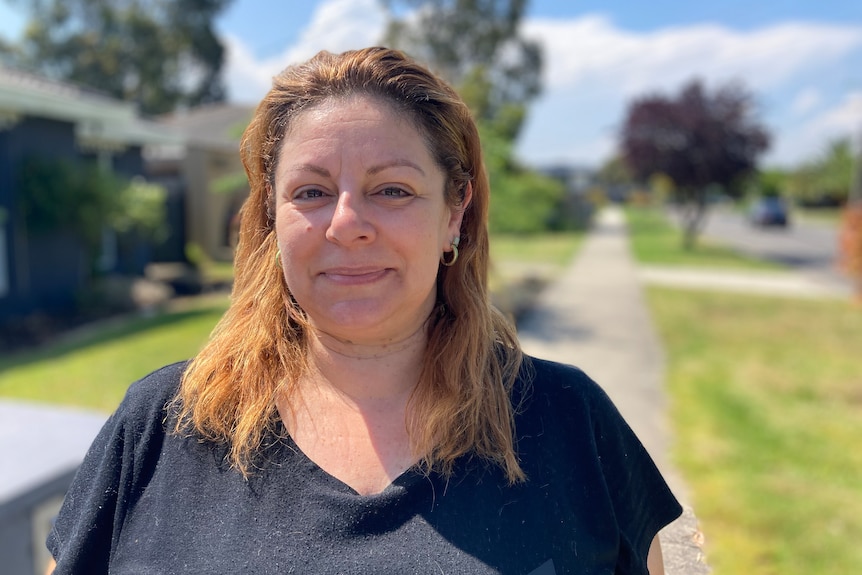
(772, 182)
(826, 179)
(614, 181)
(477, 46)
(522, 201)
(615, 172)
(160, 54)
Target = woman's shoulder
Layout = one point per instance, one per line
(146, 399)
(159, 384)
(550, 390)
(556, 381)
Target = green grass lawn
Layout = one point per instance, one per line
(825, 216)
(655, 241)
(94, 366)
(531, 258)
(549, 249)
(766, 406)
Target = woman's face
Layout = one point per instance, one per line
(361, 220)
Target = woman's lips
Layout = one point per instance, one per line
(355, 276)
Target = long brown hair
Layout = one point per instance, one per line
(462, 402)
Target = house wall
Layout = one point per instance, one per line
(209, 213)
(43, 272)
(129, 162)
(46, 272)
(223, 205)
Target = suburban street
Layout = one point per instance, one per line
(810, 247)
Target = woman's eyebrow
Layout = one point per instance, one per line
(396, 163)
(310, 168)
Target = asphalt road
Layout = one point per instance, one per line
(806, 246)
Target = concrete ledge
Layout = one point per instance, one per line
(41, 448)
(682, 546)
(787, 284)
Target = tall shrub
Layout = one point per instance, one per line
(58, 194)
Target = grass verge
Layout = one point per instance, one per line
(521, 265)
(766, 399)
(655, 241)
(92, 367)
(554, 250)
(824, 216)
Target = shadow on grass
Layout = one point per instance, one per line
(101, 332)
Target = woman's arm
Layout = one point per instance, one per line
(655, 561)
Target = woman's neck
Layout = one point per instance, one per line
(367, 372)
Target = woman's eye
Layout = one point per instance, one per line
(309, 194)
(393, 192)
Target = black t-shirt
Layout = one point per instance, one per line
(148, 501)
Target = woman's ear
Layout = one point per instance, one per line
(468, 196)
(457, 214)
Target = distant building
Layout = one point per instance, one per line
(206, 171)
(578, 179)
(581, 181)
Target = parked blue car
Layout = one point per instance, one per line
(769, 211)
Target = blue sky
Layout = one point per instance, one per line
(802, 59)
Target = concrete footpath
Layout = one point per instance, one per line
(594, 316)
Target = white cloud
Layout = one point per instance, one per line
(845, 118)
(246, 78)
(336, 25)
(592, 68)
(805, 101)
(339, 25)
(592, 49)
(801, 142)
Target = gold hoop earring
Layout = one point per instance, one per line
(455, 242)
(278, 257)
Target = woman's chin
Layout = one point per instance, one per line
(369, 329)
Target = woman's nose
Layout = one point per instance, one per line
(349, 220)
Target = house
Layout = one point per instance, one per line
(50, 120)
(208, 164)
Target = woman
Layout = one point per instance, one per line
(361, 407)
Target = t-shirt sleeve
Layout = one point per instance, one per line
(111, 477)
(642, 501)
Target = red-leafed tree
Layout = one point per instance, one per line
(700, 140)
